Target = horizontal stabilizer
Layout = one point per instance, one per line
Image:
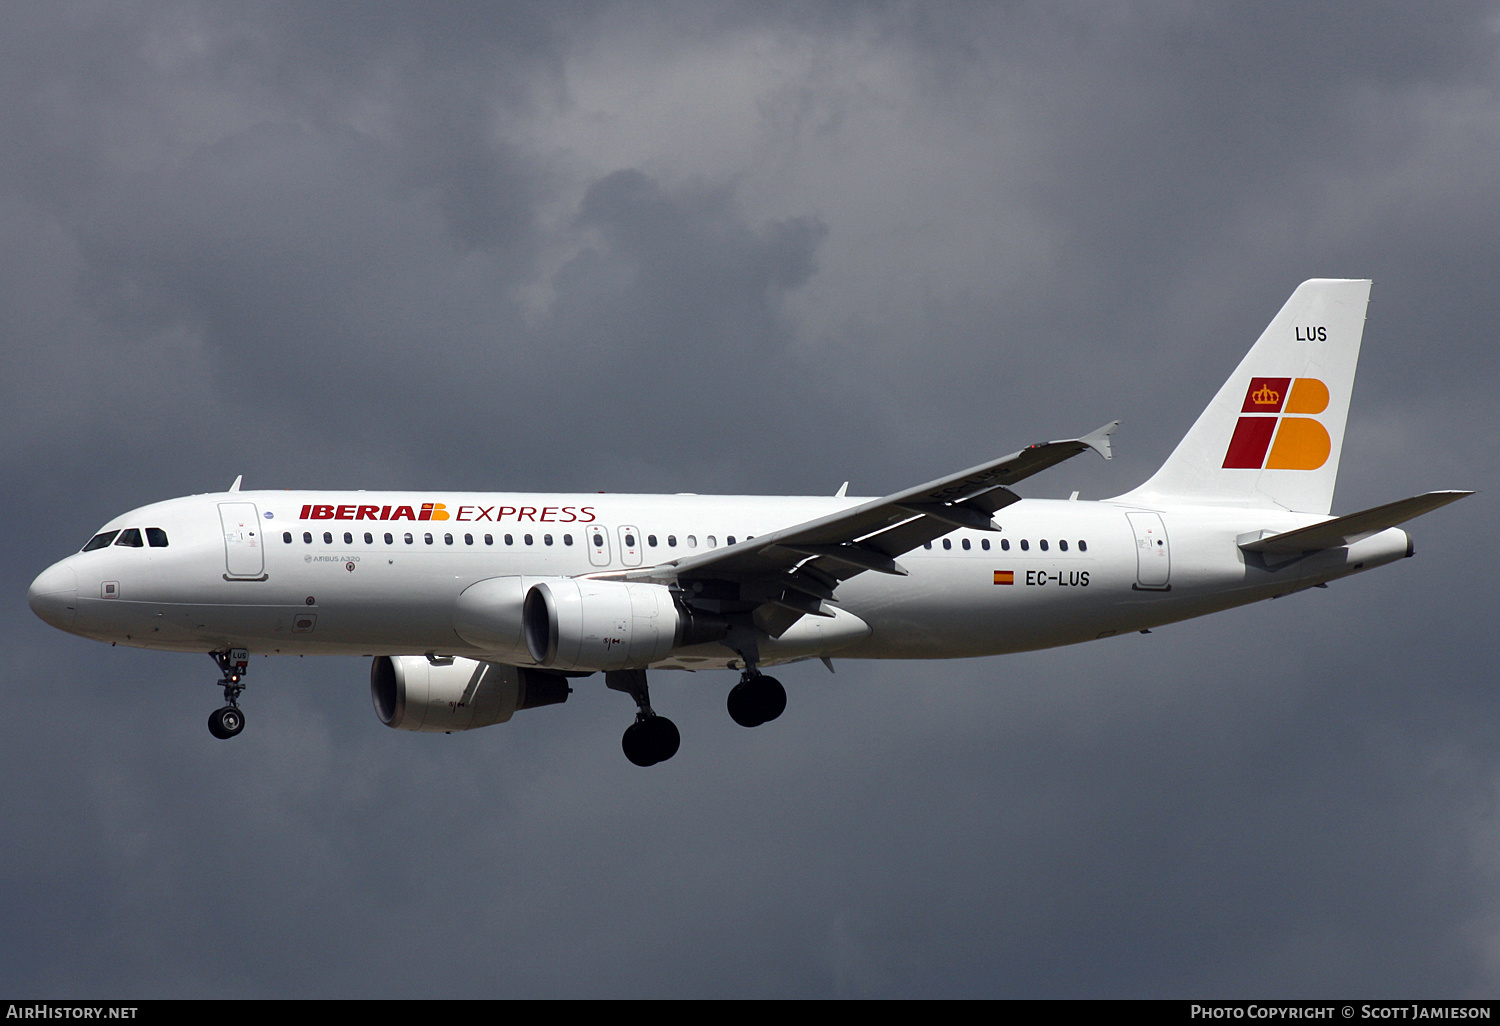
(1352, 528)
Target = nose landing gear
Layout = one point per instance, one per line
(225, 723)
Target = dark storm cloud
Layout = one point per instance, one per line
(748, 248)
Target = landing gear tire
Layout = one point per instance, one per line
(651, 740)
(225, 723)
(772, 698)
(756, 700)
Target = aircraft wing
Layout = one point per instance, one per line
(795, 569)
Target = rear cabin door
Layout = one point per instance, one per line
(1153, 556)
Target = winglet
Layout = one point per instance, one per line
(236, 486)
(1098, 440)
(843, 491)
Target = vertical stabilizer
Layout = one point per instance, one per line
(1272, 436)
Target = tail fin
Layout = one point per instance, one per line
(1272, 436)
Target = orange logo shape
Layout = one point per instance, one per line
(1309, 395)
(1300, 443)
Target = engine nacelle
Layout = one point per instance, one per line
(414, 693)
(577, 623)
(488, 616)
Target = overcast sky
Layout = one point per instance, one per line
(757, 248)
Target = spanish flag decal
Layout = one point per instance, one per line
(1005, 577)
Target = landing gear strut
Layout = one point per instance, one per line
(651, 738)
(756, 699)
(225, 723)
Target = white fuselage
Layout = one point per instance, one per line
(359, 573)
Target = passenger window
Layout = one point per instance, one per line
(947, 543)
(1025, 545)
(510, 539)
(692, 541)
(1063, 544)
(388, 539)
(651, 540)
(157, 538)
(546, 539)
(629, 540)
(408, 538)
(348, 538)
(130, 537)
(447, 539)
(711, 542)
(984, 543)
(489, 539)
(1005, 544)
(369, 538)
(327, 537)
(598, 540)
(286, 536)
(1083, 546)
(526, 539)
(468, 539)
(671, 541)
(965, 544)
(100, 540)
(1043, 544)
(729, 540)
(427, 538)
(307, 537)
(927, 545)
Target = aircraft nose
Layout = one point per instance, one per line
(54, 596)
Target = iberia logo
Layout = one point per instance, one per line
(1300, 443)
(429, 511)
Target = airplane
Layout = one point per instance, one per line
(474, 606)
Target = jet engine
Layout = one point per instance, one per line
(417, 693)
(488, 616)
(576, 623)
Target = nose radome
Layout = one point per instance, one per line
(54, 596)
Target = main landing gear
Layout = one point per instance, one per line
(225, 723)
(651, 738)
(756, 699)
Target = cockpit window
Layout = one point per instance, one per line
(98, 541)
(131, 537)
(156, 537)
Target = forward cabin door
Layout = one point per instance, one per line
(244, 548)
